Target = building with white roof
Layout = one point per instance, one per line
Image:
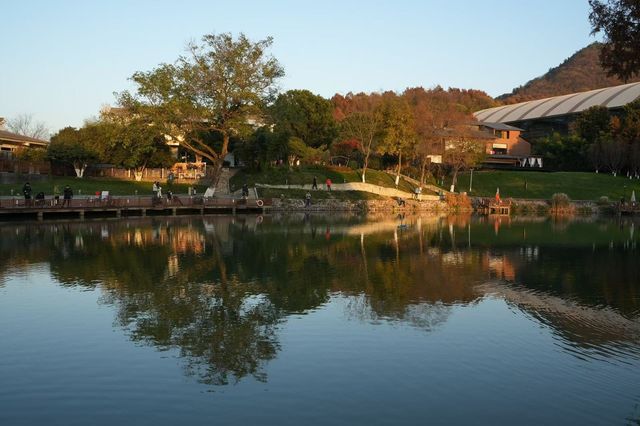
(544, 116)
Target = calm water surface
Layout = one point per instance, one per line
(320, 320)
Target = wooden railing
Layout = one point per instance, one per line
(123, 202)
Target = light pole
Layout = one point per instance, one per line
(471, 180)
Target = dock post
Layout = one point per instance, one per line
(81, 214)
(144, 212)
(40, 216)
(119, 213)
(174, 211)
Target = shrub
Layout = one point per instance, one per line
(560, 200)
(561, 203)
(458, 202)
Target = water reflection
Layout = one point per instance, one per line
(219, 288)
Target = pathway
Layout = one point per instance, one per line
(416, 182)
(359, 186)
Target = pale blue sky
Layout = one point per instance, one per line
(62, 60)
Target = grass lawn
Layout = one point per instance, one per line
(541, 185)
(304, 176)
(91, 185)
(317, 195)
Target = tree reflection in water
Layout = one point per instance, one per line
(217, 289)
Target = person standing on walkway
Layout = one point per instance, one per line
(328, 182)
(307, 200)
(67, 195)
(26, 190)
(154, 188)
(315, 183)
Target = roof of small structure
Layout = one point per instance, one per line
(610, 97)
(14, 137)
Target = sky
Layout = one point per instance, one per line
(61, 61)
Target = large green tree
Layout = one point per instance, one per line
(73, 146)
(301, 114)
(134, 143)
(221, 84)
(619, 20)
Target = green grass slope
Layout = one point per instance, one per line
(578, 186)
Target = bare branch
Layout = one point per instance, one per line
(25, 125)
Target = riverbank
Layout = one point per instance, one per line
(363, 206)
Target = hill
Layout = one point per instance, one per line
(580, 72)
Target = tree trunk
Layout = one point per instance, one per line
(422, 172)
(365, 165)
(399, 167)
(217, 171)
(79, 168)
(139, 172)
(454, 180)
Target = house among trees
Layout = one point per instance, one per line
(500, 143)
(506, 148)
(10, 142)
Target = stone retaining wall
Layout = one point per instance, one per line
(543, 207)
(519, 207)
(359, 205)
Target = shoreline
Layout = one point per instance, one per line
(456, 204)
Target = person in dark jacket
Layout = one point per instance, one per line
(67, 195)
(26, 190)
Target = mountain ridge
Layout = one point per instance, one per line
(578, 73)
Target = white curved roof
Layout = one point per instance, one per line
(609, 97)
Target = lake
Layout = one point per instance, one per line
(338, 320)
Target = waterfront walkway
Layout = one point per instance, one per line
(15, 208)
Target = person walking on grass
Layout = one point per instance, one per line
(328, 182)
(315, 183)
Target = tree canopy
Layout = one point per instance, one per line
(619, 20)
(221, 85)
(301, 114)
(70, 145)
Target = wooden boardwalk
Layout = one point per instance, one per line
(12, 209)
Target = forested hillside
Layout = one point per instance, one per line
(578, 73)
